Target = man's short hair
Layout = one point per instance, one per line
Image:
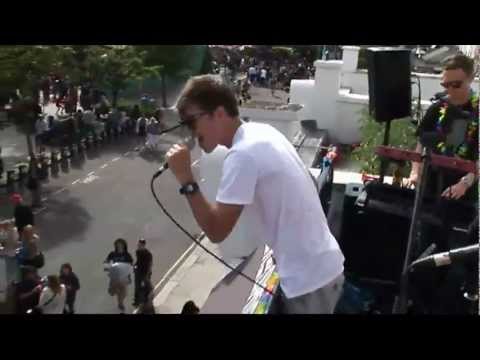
(460, 61)
(207, 93)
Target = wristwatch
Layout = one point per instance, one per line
(468, 180)
(189, 188)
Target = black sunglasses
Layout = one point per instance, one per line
(453, 84)
(191, 119)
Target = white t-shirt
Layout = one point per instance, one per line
(263, 74)
(252, 70)
(120, 272)
(55, 306)
(263, 172)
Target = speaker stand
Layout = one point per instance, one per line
(400, 306)
(384, 161)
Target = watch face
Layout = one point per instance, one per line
(189, 188)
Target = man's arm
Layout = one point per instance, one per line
(236, 190)
(417, 166)
(216, 220)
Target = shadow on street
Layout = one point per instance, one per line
(63, 221)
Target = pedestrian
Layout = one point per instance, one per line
(8, 250)
(134, 115)
(263, 77)
(190, 308)
(27, 291)
(140, 129)
(264, 177)
(53, 296)
(23, 214)
(41, 129)
(154, 129)
(251, 74)
(142, 269)
(142, 126)
(120, 264)
(72, 284)
(30, 254)
(146, 306)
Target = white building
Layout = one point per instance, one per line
(339, 92)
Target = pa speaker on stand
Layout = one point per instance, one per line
(389, 88)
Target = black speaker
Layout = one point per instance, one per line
(373, 242)
(389, 83)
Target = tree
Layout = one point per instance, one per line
(176, 61)
(22, 67)
(110, 67)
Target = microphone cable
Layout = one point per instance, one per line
(191, 237)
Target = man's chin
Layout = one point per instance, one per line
(208, 150)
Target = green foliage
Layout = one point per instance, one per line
(362, 59)
(282, 51)
(176, 60)
(402, 135)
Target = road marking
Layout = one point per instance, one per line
(127, 153)
(39, 210)
(59, 191)
(44, 199)
(76, 181)
(117, 158)
(103, 166)
(90, 173)
(89, 179)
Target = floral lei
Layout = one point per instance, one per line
(470, 141)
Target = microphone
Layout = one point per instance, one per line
(189, 142)
(446, 258)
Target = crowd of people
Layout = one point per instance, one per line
(146, 122)
(56, 293)
(273, 75)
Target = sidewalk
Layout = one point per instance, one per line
(194, 279)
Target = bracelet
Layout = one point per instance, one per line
(468, 179)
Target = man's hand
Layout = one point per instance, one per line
(412, 180)
(455, 191)
(178, 159)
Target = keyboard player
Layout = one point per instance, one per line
(455, 119)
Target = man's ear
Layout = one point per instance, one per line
(220, 112)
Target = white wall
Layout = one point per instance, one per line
(302, 92)
(349, 112)
(356, 81)
(284, 121)
(430, 83)
(336, 109)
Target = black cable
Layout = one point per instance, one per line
(198, 242)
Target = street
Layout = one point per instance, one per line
(93, 201)
(81, 222)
